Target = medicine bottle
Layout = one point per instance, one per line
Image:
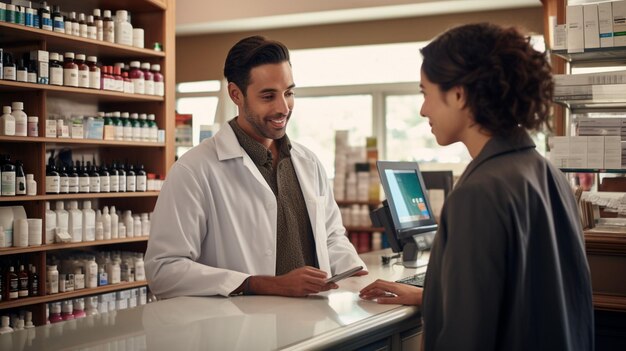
(83, 71)
(108, 27)
(58, 24)
(94, 72)
(74, 186)
(131, 179)
(12, 284)
(134, 121)
(9, 69)
(7, 121)
(8, 177)
(64, 180)
(105, 179)
(56, 69)
(154, 129)
(20, 178)
(159, 83)
(82, 26)
(33, 126)
(53, 180)
(141, 179)
(21, 73)
(45, 17)
(148, 79)
(75, 24)
(52, 280)
(97, 20)
(114, 180)
(94, 178)
(136, 75)
(70, 71)
(119, 80)
(92, 30)
(21, 120)
(71, 23)
(129, 88)
(123, 28)
(31, 185)
(22, 282)
(145, 127)
(33, 281)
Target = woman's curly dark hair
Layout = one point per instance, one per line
(508, 83)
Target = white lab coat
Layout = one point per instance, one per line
(214, 223)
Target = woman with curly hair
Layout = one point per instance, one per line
(507, 268)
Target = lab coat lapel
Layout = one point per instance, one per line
(305, 171)
(228, 147)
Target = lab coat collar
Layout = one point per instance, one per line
(498, 145)
(226, 144)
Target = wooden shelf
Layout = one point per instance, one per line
(71, 295)
(50, 197)
(609, 302)
(65, 92)
(67, 141)
(605, 242)
(60, 42)
(61, 246)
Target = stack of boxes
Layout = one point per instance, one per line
(591, 26)
(600, 144)
(356, 181)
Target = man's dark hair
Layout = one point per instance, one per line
(507, 82)
(249, 53)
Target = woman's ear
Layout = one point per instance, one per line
(460, 97)
(235, 93)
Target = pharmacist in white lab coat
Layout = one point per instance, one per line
(248, 211)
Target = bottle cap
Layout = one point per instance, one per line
(80, 57)
(107, 13)
(54, 56)
(92, 59)
(33, 119)
(17, 105)
(145, 65)
(134, 64)
(6, 109)
(96, 12)
(69, 55)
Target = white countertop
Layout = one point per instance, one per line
(235, 323)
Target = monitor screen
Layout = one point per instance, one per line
(406, 195)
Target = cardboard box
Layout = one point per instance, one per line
(592, 30)
(595, 152)
(619, 23)
(605, 24)
(575, 29)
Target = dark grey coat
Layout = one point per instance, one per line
(508, 269)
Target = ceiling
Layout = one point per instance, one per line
(213, 16)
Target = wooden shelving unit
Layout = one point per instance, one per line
(157, 18)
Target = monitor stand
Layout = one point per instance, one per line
(413, 251)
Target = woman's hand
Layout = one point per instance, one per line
(385, 292)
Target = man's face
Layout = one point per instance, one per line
(267, 106)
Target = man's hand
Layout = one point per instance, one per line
(385, 292)
(299, 282)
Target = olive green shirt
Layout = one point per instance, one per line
(295, 245)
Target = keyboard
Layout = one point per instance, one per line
(415, 280)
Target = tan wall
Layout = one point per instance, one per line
(201, 57)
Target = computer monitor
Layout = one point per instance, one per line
(406, 215)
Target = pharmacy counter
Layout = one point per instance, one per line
(333, 320)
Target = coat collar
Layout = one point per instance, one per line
(498, 145)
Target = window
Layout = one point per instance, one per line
(315, 119)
